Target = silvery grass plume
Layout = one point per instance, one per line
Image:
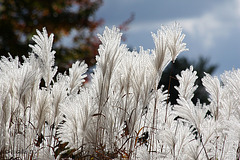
(121, 114)
(213, 125)
(30, 113)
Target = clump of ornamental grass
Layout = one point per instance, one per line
(121, 113)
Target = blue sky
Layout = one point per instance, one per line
(212, 27)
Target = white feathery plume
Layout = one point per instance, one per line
(41, 110)
(126, 97)
(59, 93)
(161, 53)
(123, 91)
(5, 112)
(142, 72)
(194, 115)
(77, 75)
(232, 138)
(158, 105)
(28, 81)
(174, 40)
(184, 138)
(185, 107)
(213, 87)
(8, 63)
(177, 138)
(228, 105)
(168, 45)
(208, 131)
(139, 70)
(230, 94)
(21, 82)
(230, 80)
(10, 75)
(45, 55)
(78, 112)
(154, 122)
(110, 52)
(33, 64)
(230, 112)
(186, 80)
(5, 86)
(105, 79)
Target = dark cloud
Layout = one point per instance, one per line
(115, 11)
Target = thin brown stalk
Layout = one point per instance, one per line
(169, 85)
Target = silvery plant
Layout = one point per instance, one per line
(121, 113)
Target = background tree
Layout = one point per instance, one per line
(169, 79)
(19, 20)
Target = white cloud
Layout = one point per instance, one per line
(207, 28)
(217, 23)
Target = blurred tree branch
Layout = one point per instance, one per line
(20, 18)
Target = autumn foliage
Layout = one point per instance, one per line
(20, 18)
